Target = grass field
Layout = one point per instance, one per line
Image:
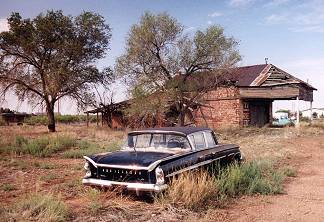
(41, 175)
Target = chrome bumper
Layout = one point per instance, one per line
(128, 186)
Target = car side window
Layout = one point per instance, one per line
(198, 140)
(210, 139)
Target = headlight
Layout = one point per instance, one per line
(87, 170)
(159, 176)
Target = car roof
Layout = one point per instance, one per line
(177, 130)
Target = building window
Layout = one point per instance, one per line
(246, 105)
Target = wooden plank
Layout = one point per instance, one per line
(270, 92)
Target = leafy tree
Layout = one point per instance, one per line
(161, 58)
(53, 56)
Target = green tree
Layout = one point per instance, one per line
(161, 58)
(53, 56)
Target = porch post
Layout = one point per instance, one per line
(297, 112)
(270, 113)
(311, 111)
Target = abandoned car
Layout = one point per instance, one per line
(151, 157)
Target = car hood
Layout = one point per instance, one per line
(130, 158)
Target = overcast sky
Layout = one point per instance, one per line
(288, 32)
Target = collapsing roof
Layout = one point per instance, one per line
(262, 75)
(263, 81)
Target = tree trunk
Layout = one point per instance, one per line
(181, 118)
(50, 117)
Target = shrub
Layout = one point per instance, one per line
(45, 146)
(2, 122)
(8, 187)
(36, 120)
(250, 178)
(48, 177)
(66, 119)
(40, 147)
(85, 148)
(195, 189)
(39, 207)
(95, 205)
(289, 172)
(191, 189)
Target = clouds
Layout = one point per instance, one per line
(240, 3)
(274, 3)
(3, 25)
(215, 14)
(305, 17)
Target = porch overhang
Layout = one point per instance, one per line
(281, 92)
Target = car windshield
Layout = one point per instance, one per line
(156, 141)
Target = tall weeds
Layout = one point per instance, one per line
(39, 207)
(197, 189)
(191, 189)
(40, 147)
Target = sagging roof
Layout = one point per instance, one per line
(178, 130)
(244, 76)
(262, 75)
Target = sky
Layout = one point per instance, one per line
(288, 32)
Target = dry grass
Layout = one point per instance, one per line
(267, 143)
(191, 190)
(37, 207)
(189, 199)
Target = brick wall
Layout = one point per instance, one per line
(224, 110)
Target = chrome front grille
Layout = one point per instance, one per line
(123, 175)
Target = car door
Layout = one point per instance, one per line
(205, 144)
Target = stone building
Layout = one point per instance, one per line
(247, 101)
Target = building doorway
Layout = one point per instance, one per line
(260, 111)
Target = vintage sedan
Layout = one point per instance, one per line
(151, 157)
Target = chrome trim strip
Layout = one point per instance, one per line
(194, 166)
(91, 161)
(129, 186)
(157, 131)
(154, 164)
(130, 167)
(148, 168)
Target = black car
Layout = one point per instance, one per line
(151, 157)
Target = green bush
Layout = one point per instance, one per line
(36, 120)
(193, 189)
(66, 119)
(40, 147)
(250, 178)
(85, 148)
(39, 207)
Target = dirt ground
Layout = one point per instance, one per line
(303, 200)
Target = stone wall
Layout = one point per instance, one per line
(223, 109)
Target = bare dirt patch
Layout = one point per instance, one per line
(304, 198)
